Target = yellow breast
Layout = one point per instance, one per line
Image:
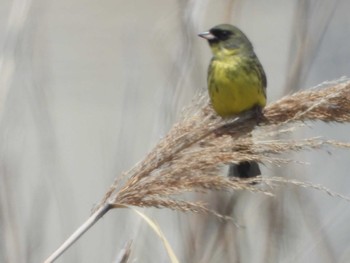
(234, 86)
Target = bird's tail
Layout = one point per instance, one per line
(245, 169)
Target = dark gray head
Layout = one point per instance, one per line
(226, 37)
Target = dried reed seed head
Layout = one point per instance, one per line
(189, 157)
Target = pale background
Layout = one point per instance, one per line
(88, 87)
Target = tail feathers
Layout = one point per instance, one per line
(244, 169)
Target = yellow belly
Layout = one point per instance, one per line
(233, 89)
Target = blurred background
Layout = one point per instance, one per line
(88, 87)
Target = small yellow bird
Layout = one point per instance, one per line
(236, 81)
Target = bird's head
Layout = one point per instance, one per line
(226, 40)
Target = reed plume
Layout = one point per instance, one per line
(189, 157)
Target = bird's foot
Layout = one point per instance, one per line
(260, 118)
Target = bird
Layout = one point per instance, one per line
(236, 81)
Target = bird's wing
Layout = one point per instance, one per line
(261, 73)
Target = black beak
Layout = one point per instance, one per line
(207, 35)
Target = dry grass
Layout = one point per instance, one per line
(190, 156)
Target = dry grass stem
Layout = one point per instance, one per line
(124, 255)
(190, 156)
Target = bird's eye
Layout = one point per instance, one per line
(221, 34)
(225, 33)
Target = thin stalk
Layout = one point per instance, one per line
(79, 232)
